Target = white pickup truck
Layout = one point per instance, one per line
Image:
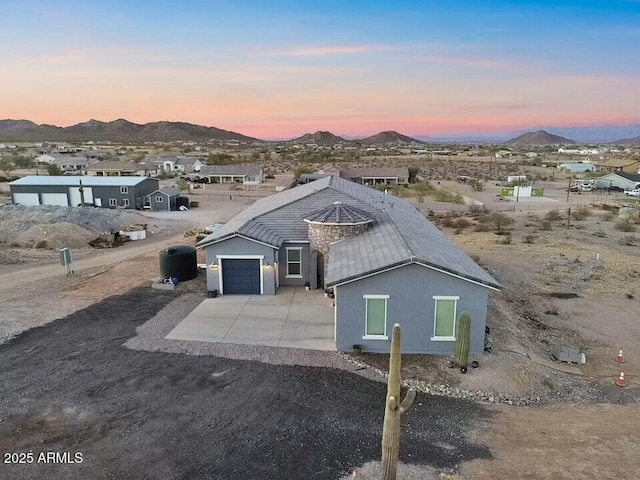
(633, 193)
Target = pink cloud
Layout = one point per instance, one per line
(329, 50)
(475, 62)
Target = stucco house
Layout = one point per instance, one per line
(112, 168)
(173, 164)
(243, 174)
(383, 260)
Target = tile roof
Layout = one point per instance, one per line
(236, 170)
(113, 165)
(399, 233)
(634, 177)
(376, 172)
(338, 213)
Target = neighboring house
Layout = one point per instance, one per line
(68, 163)
(108, 192)
(580, 167)
(627, 165)
(619, 180)
(44, 159)
(164, 199)
(112, 168)
(175, 163)
(148, 169)
(383, 260)
(378, 176)
(311, 177)
(244, 174)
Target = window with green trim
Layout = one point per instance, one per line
(376, 316)
(444, 327)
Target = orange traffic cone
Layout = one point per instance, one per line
(621, 382)
(620, 358)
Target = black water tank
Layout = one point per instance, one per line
(179, 262)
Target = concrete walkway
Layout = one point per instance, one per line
(293, 318)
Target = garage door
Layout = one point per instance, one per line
(55, 199)
(240, 276)
(26, 199)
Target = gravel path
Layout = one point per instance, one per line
(70, 386)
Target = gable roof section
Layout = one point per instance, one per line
(113, 165)
(235, 170)
(168, 191)
(634, 177)
(377, 172)
(399, 233)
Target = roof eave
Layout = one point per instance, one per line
(413, 260)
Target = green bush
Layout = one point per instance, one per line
(553, 215)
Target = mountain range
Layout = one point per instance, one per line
(116, 131)
(125, 131)
(325, 138)
(539, 138)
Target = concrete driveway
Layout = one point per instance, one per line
(293, 318)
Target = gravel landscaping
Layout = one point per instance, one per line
(71, 386)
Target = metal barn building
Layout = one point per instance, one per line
(107, 192)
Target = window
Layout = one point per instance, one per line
(159, 198)
(125, 202)
(444, 318)
(113, 202)
(375, 325)
(294, 262)
(124, 190)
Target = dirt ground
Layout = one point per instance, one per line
(71, 386)
(573, 442)
(587, 428)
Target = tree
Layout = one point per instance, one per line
(413, 173)
(301, 170)
(421, 190)
(54, 170)
(7, 166)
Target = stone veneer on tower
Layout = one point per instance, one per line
(331, 224)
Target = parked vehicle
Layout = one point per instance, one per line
(633, 193)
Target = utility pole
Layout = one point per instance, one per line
(568, 189)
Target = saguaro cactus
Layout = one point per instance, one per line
(463, 341)
(393, 409)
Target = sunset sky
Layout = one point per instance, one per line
(278, 69)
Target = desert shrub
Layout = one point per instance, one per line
(607, 217)
(553, 215)
(447, 222)
(500, 221)
(505, 240)
(41, 244)
(581, 213)
(529, 239)
(600, 233)
(460, 224)
(629, 240)
(545, 225)
(477, 209)
(625, 226)
(482, 227)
